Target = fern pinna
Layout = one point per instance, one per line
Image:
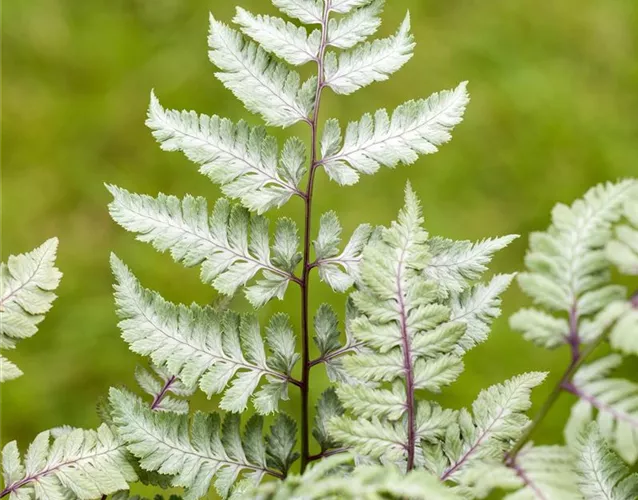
(417, 304)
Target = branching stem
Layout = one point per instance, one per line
(160, 395)
(326, 453)
(307, 263)
(578, 358)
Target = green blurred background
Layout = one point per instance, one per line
(554, 104)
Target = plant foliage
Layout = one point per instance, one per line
(26, 294)
(77, 464)
(417, 304)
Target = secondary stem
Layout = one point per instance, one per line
(307, 264)
(578, 358)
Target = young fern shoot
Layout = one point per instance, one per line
(413, 331)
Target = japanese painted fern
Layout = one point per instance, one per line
(417, 304)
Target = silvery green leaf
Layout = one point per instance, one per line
(622, 250)
(541, 328)
(283, 39)
(590, 329)
(282, 344)
(231, 245)
(334, 477)
(331, 138)
(568, 270)
(478, 307)
(163, 443)
(416, 127)
(264, 85)
(307, 11)
(8, 370)
(348, 31)
(281, 442)
(623, 335)
(240, 158)
(601, 473)
(372, 438)
(328, 407)
(498, 419)
(371, 62)
(326, 325)
(368, 403)
(293, 160)
(80, 464)
(457, 264)
(612, 402)
(345, 6)
(27, 282)
(221, 351)
(539, 472)
(339, 270)
(285, 249)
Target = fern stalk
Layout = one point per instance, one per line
(306, 263)
(408, 370)
(564, 384)
(160, 396)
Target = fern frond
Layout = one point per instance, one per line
(79, 464)
(412, 333)
(283, 39)
(331, 478)
(371, 62)
(27, 282)
(240, 158)
(201, 344)
(211, 450)
(339, 270)
(396, 312)
(568, 271)
(614, 400)
(231, 245)
(416, 127)
(601, 473)
(350, 30)
(265, 86)
(498, 419)
(622, 251)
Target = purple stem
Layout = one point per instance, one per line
(472, 449)
(335, 354)
(565, 383)
(326, 453)
(596, 403)
(160, 396)
(407, 367)
(520, 472)
(307, 265)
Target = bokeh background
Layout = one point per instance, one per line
(554, 110)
